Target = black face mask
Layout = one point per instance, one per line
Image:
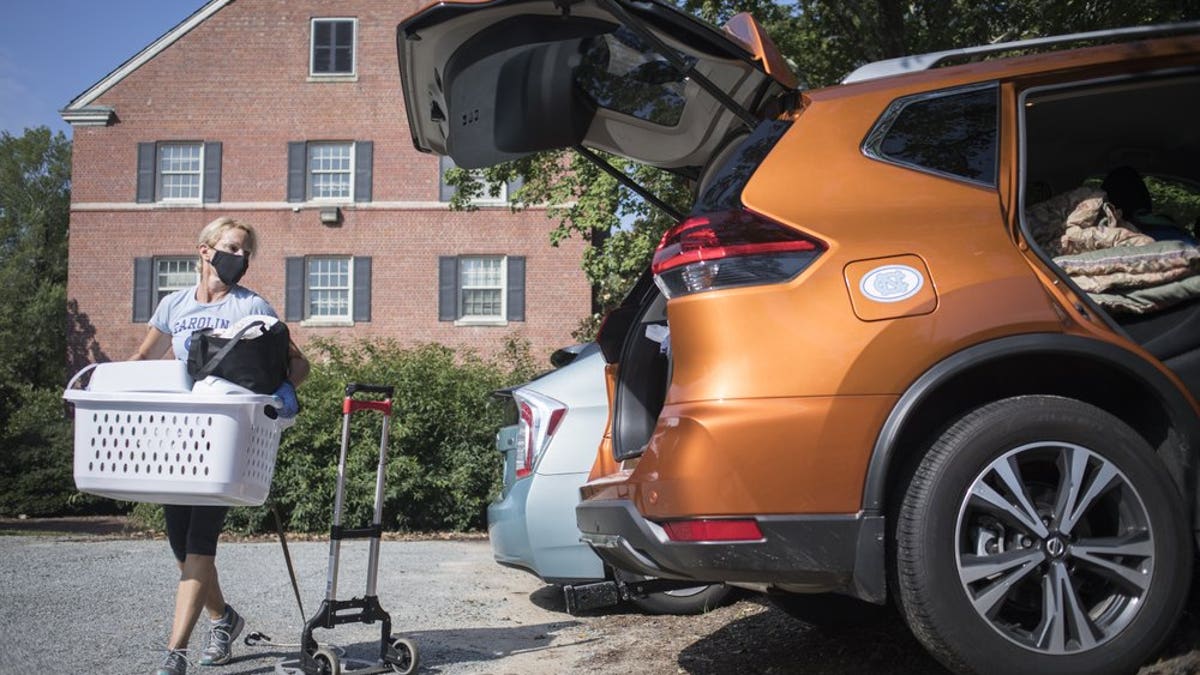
(230, 268)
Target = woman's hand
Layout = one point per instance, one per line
(291, 405)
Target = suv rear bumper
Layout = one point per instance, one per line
(813, 553)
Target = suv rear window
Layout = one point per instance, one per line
(952, 134)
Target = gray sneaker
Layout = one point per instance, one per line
(221, 637)
(174, 663)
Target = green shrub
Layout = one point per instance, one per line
(442, 470)
(37, 460)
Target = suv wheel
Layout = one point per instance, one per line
(1042, 535)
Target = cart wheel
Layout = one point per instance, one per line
(406, 656)
(327, 661)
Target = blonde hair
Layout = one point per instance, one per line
(211, 235)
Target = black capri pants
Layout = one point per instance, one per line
(194, 529)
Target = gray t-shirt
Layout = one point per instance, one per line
(180, 314)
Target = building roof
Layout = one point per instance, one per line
(80, 110)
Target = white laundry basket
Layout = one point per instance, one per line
(145, 433)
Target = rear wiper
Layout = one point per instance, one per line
(628, 182)
(673, 57)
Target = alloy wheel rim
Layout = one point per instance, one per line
(1054, 548)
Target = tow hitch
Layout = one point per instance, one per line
(585, 597)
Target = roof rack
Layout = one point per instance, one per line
(919, 62)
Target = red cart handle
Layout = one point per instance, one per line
(350, 404)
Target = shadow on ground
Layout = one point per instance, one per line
(442, 648)
(776, 643)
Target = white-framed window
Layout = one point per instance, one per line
(328, 288)
(481, 288)
(331, 171)
(332, 51)
(180, 172)
(173, 274)
(485, 196)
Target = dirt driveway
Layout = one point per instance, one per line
(466, 614)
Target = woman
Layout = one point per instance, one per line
(226, 246)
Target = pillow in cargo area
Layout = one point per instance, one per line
(1080, 220)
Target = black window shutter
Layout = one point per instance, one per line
(297, 167)
(445, 192)
(447, 288)
(212, 172)
(363, 158)
(143, 288)
(147, 154)
(516, 288)
(362, 288)
(293, 298)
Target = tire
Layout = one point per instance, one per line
(831, 611)
(697, 600)
(405, 653)
(1005, 565)
(327, 661)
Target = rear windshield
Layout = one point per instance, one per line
(620, 72)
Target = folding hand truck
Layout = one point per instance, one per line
(396, 654)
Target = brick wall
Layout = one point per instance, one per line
(241, 78)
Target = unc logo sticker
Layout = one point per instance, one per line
(891, 283)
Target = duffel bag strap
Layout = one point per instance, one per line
(211, 365)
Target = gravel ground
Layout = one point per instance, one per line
(101, 605)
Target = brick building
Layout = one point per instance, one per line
(288, 113)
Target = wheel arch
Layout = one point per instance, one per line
(1100, 373)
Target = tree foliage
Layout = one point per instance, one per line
(35, 436)
(836, 36)
(823, 40)
(35, 189)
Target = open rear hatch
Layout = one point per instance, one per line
(489, 81)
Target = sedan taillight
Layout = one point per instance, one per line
(540, 417)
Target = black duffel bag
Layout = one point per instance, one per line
(259, 364)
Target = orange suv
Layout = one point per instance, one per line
(931, 335)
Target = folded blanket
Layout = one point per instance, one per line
(1122, 269)
(1131, 266)
(1149, 300)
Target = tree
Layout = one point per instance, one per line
(35, 436)
(836, 36)
(824, 40)
(35, 195)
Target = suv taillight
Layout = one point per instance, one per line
(728, 249)
(540, 417)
